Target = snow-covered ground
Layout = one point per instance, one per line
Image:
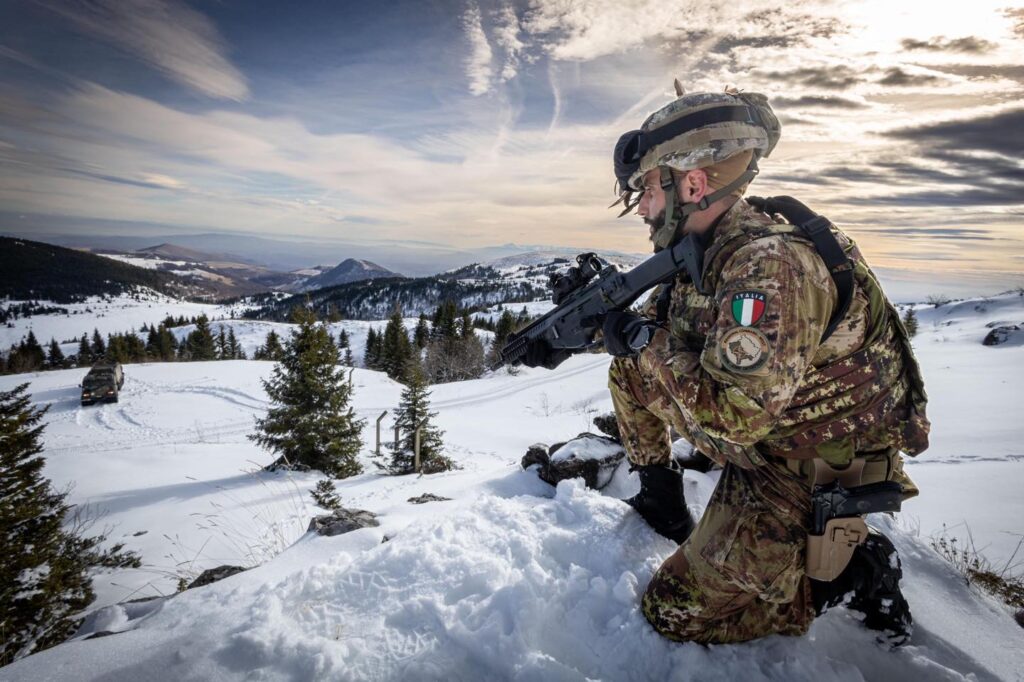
(509, 580)
(111, 314)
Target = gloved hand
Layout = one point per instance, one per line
(539, 353)
(626, 333)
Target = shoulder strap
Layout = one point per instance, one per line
(817, 228)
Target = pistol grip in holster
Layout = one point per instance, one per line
(837, 523)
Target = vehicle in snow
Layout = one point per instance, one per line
(103, 382)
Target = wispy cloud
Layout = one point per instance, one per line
(479, 63)
(167, 34)
(969, 44)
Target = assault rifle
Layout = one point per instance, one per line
(591, 290)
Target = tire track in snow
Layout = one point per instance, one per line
(519, 387)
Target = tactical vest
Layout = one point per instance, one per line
(866, 401)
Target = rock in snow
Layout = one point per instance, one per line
(588, 456)
(212, 575)
(342, 521)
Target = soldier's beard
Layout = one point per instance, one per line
(655, 223)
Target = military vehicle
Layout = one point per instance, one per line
(102, 383)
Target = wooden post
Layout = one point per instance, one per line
(382, 415)
(416, 461)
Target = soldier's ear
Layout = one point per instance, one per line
(693, 185)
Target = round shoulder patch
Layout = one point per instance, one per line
(743, 349)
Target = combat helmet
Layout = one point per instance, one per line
(696, 130)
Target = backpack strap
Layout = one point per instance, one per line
(817, 228)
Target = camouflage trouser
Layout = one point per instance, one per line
(740, 575)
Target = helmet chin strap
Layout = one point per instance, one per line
(676, 213)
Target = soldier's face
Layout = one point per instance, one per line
(652, 202)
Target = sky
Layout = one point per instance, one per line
(476, 123)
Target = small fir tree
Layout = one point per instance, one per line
(370, 354)
(45, 575)
(326, 495)
(311, 421)
(84, 356)
(99, 348)
(272, 349)
(910, 322)
(54, 356)
(200, 344)
(414, 410)
(396, 350)
(223, 352)
(235, 351)
(343, 340)
(421, 336)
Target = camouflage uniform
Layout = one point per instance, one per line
(742, 374)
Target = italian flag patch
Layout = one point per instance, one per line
(748, 307)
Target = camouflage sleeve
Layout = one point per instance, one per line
(774, 301)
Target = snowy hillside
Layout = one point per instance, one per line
(108, 314)
(511, 579)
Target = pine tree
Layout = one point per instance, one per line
(166, 344)
(502, 330)
(45, 580)
(347, 359)
(55, 357)
(910, 322)
(271, 349)
(422, 334)
(413, 411)
(311, 421)
(223, 353)
(84, 356)
(27, 357)
(200, 344)
(326, 495)
(99, 348)
(395, 351)
(343, 340)
(370, 355)
(234, 348)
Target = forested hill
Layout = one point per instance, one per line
(34, 270)
(375, 299)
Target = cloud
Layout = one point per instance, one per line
(818, 102)
(999, 133)
(507, 36)
(838, 77)
(478, 64)
(166, 34)
(970, 44)
(896, 76)
(1016, 14)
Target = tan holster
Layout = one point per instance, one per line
(829, 554)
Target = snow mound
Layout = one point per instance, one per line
(518, 588)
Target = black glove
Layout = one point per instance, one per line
(539, 353)
(626, 333)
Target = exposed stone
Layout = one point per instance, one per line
(608, 425)
(280, 464)
(212, 575)
(535, 454)
(342, 521)
(1000, 335)
(101, 633)
(428, 497)
(589, 456)
(1019, 617)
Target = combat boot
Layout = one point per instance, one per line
(662, 503)
(870, 584)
